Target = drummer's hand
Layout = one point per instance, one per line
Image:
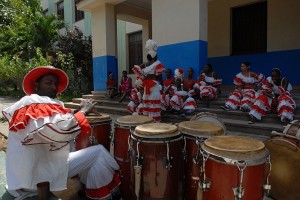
(87, 105)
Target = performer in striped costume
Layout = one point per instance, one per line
(151, 71)
(210, 90)
(275, 96)
(246, 82)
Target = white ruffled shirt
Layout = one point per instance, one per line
(42, 159)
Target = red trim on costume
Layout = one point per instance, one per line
(233, 102)
(83, 123)
(159, 69)
(237, 81)
(34, 111)
(152, 110)
(259, 110)
(152, 101)
(148, 84)
(104, 191)
(189, 83)
(168, 81)
(157, 119)
(286, 109)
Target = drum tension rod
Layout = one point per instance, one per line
(92, 138)
(139, 158)
(129, 150)
(205, 183)
(168, 159)
(267, 186)
(196, 158)
(239, 191)
(184, 149)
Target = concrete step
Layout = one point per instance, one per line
(214, 104)
(214, 107)
(260, 129)
(233, 120)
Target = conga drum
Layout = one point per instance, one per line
(120, 148)
(194, 133)
(285, 158)
(100, 132)
(209, 117)
(291, 130)
(234, 167)
(158, 162)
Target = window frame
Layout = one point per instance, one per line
(79, 15)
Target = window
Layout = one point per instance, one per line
(79, 15)
(46, 12)
(135, 49)
(249, 29)
(60, 10)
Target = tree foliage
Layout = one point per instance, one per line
(74, 54)
(27, 38)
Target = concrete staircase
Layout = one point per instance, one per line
(236, 122)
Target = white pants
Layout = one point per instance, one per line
(94, 165)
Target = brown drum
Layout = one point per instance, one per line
(293, 129)
(120, 149)
(233, 168)
(194, 133)
(158, 162)
(100, 132)
(285, 158)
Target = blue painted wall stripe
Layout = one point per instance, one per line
(184, 55)
(288, 61)
(101, 67)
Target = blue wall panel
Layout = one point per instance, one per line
(184, 55)
(288, 61)
(101, 66)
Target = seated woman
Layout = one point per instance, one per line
(246, 81)
(169, 80)
(111, 85)
(136, 97)
(180, 100)
(125, 86)
(275, 96)
(210, 90)
(189, 81)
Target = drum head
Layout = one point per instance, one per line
(200, 128)
(209, 117)
(235, 147)
(285, 160)
(134, 120)
(156, 130)
(94, 119)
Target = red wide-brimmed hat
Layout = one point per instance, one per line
(34, 74)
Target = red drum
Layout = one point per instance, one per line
(100, 132)
(120, 149)
(233, 168)
(158, 162)
(284, 177)
(194, 133)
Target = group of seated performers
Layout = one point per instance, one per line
(153, 96)
(258, 95)
(253, 93)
